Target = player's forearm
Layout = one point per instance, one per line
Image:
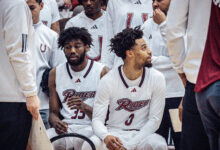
(56, 27)
(88, 111)
(99, 128)
(53, 118)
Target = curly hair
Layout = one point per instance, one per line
(125, 40)
(80, 1)
(74, 33)
(38, 1)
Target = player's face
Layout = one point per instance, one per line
(75, 52)
(142, 53)
(91, 6)
(35, 8)
(163, 5)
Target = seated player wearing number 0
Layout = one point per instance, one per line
(133, 96)
(73, 88)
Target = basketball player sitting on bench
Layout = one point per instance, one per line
(73, 88)
(133, 94)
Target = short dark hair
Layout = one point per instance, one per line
(38, 1)
(125, 40)
(80, 1)
(71, 33)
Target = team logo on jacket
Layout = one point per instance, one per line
(130, 106)
(73, 93)
(43, 48)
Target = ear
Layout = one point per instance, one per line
(41, 5)
(129, 53)
(87, 48)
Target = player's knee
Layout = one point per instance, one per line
(86, 146)
(161, 146)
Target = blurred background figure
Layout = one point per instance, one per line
(123, 14)
(50, 15)
(93, 19)
(154, 32)
(47, 56)
(208, 82)
(188, 19)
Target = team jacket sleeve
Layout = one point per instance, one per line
(157, 105)
(107, 56)
(175, 32)
(57, 56)
(100, 110)
(16, 32)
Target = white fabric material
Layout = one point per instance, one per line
(48, 56)
(68, 143)
(17, 71)
(85, 88)
(50, 13)
(151, 142)
(142, 109)
(96, 28)
(187, 21)
(119, 14)
(154, 37)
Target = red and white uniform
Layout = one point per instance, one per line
(48, 56)
(96, 28)
(120, 15)
(135, 108)
(70, 84)
(50, 13)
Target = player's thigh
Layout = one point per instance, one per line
(77, 142)
(153, 142)
(59, 144)
(99, 144)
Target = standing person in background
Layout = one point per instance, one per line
(64, 8)
(47, 54)
(208, 82)
(154, 34)
(189, 18)
(93, 19)
(18, 90)
(123, 14)
(50, 15)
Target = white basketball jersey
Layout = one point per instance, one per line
(83, 84)
(129, 105)
(95, 28)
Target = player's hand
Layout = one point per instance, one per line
(67, 2)
(158, 16)
(181, 110)
(33, 106)
(76, 103)
(60, 127)
(113, 143)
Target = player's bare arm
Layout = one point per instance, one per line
(105, 70)
(56, 27)
(60, 126)
(77, 103)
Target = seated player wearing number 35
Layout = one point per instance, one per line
(133, 96)
(73, 88)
